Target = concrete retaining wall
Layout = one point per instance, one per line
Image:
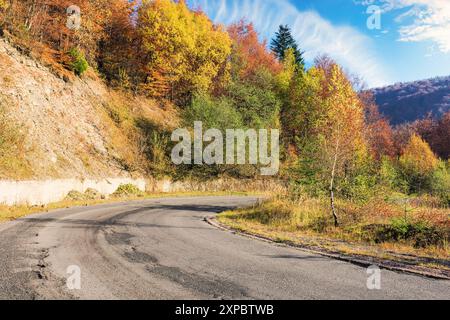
(47, 191)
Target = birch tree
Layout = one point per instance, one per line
(342, 137)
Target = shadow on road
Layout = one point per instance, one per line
(117, 220)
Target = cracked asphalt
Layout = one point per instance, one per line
(163, 249)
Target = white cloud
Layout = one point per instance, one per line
(423, 20)
(314, 34)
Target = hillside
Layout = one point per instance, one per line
(58, 127)
(407, 102)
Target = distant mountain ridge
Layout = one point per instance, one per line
(407, 102)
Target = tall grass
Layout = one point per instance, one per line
(377, 221)
(12, 160)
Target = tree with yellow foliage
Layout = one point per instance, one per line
(326, 119)
(418, 163)
(3, 4)
(185, 51)
(343, 143)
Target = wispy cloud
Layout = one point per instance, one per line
(315, 34)
(423, 20)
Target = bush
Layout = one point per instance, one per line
(440, 183)
(390, 176)
(75, 196)
(89, 194)
(359, 180)
(79, 63)
(217, 113)
(420, 234)
(257, 103)
(359, 188)
(214, 113)
(126, 190)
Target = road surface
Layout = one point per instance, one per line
(163, 249)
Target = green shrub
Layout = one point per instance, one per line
(359, 188)
(214, 113)
(75, 196)
(259, 106)
(89, 194)
(79, 63)
(126, 190)
(440, 183)
(419, 233)
(390, 176)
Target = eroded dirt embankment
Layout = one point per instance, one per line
(62, 128)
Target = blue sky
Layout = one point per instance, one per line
(412, 43)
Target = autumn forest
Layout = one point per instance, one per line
(349, 173)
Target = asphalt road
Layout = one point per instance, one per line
(162, 249)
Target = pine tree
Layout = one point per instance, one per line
(283, 41)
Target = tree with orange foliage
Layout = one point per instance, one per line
(249, 54)
(45, 22)
(440, 139)
(119, 49)
(379, 132)
(436, 132)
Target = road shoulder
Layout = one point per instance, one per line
(361, 260)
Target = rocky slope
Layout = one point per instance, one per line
(68, 128)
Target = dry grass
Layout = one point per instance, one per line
(128, 139)
(376, 228)
(12, 153)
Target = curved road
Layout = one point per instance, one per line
(162, 249)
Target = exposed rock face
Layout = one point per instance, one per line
(64, 132)
(66, 127)
(59, 119)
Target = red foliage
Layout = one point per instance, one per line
(378, 130)
(436, 133)
(45, 21)
(252, 53)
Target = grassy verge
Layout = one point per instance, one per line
(381, 228)
(74, 199)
